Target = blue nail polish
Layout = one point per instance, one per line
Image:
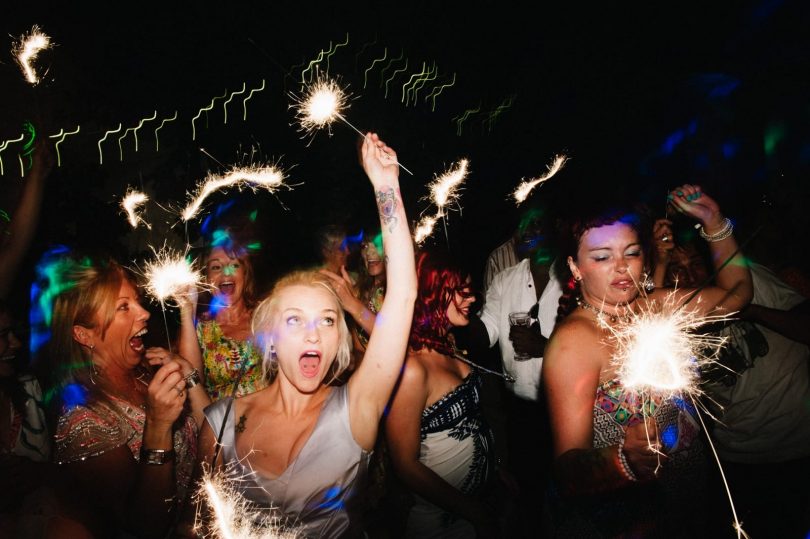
(680, 193)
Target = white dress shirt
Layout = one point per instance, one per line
(513, 290)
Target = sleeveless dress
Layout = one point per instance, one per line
(669, 506)
(319, 491)
(222, 360)
(458, 445)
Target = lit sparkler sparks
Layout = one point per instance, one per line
(130, 203)
(527, 186)
(320, 105)
(444, 189)
(170, 274)
(232, 516)
(27, 50)
(659, 351)
(269, 178)
(424, 229)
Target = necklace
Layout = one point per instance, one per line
(602, 315)
(458, 355)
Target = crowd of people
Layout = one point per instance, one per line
(354, 399)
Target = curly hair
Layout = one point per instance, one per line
(265, 318)
(438, 277)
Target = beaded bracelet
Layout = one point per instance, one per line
(192, 379)
(721, 234)
(627, 472)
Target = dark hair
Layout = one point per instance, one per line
(574, 227)
(438, 277)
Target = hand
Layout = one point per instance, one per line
(343, 285)
(642, 447)
(157, 356)
(166, 394)
(379, 161)
(186, 298)
(528, 340)
(42, 160)
(690, 200)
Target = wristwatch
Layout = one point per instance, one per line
(156, 457)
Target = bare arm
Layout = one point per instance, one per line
(571, 370)
(188, 345)
(664, 243)
(371, 385)
(25, 218)
(734, 287)
(792, 324)
(403, 436)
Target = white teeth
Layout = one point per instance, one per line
(142, 332)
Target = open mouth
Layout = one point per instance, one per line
(227, 287)
(136, 342)
(623, 285)
(309, 363)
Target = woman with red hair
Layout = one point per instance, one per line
(440, 444)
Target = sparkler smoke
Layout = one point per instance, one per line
(320, 105)
(269, 178)
(527, 186)
(27, 50)
(231, 516)
(130, 203)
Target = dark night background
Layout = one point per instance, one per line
(645, 95)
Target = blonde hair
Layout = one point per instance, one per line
(82, 292)
(265, 317)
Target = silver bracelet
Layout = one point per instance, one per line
(156, 457)
(721, 234)
(627, 471)
(192, 378)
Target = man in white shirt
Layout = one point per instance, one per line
(530, 286)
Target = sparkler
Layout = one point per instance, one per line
(527, 186)
(130, 203)
(658, 352)
(444, 189)
(27, 50)
(170, 274)
(269, 178)
(232, 516)
(320, 105)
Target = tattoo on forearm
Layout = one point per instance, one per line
(240, 426)
(387, 206)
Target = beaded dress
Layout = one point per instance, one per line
(91, 429)
(458, 445)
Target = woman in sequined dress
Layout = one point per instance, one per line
(439, 442)
(627, 465)
(122, 437)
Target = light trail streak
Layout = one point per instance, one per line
(63, 136)
(245, 100)
(373, 63)
(437, 91)
(102, 139)
(204, 109)
(162, 123)
(225, 104)
(3, 148)
(522, 191)
(411, 79)
(394, 75)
